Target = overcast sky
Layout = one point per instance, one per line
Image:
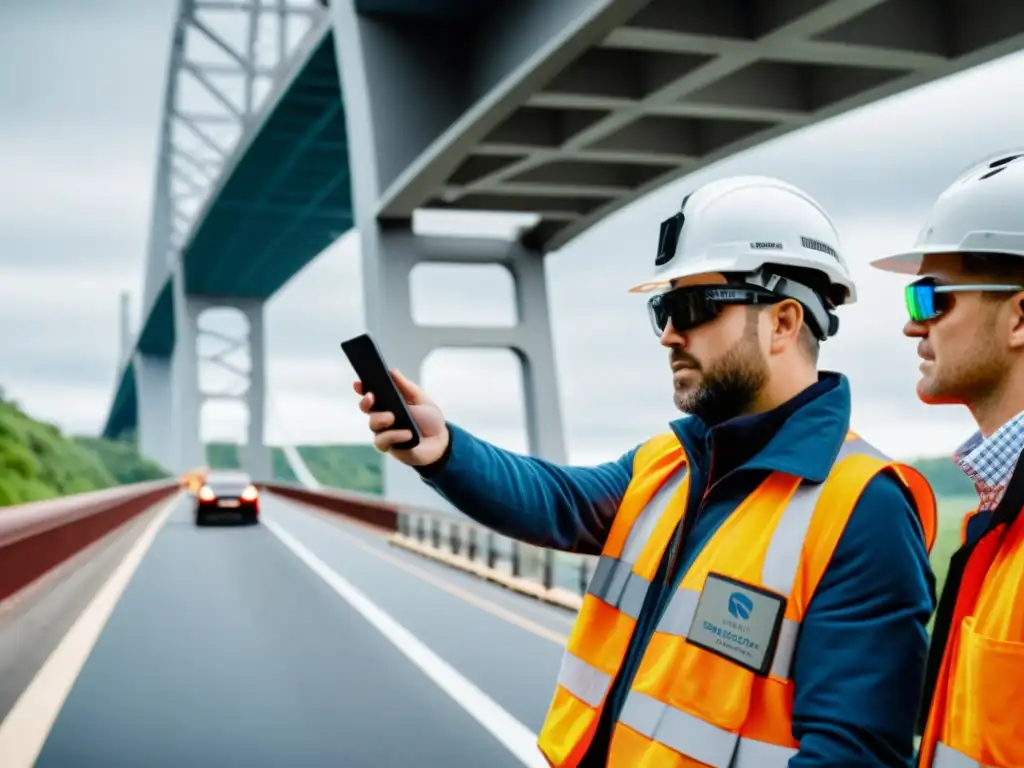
(81, 91)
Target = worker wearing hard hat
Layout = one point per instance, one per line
(967, 308)
(763, 585)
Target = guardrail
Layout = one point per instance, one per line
(557, 577)
(38, 536)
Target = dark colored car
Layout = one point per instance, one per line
(228, 495)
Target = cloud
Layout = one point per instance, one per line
(78, 148)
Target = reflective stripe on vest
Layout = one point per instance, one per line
(615, 583)
(947, 757)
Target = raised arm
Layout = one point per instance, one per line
(859, 665)
(568, 508)
(525, 498)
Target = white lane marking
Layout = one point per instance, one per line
(27, 726)
(515, 736)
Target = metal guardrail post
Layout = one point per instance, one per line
(583, 577)
(517, 566)
(548, 564)
(471, 545)
(492, 554)
(453, 537)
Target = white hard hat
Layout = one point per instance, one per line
(981, 212)
(741, 223)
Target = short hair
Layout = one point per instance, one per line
(999, 268)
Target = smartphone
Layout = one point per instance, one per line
(375, 376)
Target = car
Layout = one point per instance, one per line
(228, 494)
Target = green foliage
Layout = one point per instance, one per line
(346, 467)
(223, 456)
(122, 460)
(945, 476)
(37, 462)
(350, 467)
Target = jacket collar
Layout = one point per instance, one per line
(801, 437)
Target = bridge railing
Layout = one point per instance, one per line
(559, 577)
(37, 537)
(371, 510)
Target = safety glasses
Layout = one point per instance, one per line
(691, 306)
(928, 299)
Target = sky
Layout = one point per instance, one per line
(81, 95)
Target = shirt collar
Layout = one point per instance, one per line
(990, 461)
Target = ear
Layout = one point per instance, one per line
(1017, 322)
(787, 317)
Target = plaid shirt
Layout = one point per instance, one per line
(989, 462)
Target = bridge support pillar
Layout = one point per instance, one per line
(155, 393)
(406, 344)
(189, 395)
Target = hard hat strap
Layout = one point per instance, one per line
(824, 323)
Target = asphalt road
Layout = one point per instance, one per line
(227, 648)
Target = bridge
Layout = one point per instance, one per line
(131, 637)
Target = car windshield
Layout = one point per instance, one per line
(228, 482)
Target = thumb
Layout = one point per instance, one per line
(412, 393)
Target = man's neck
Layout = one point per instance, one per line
(782, 389)
(1001, 405)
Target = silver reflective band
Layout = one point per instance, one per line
(947, 757)
(584, 681)
(613, 581)
(698, 739)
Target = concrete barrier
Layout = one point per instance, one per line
(39, 536)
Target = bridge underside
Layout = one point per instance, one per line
(568, 111)
(680, 85)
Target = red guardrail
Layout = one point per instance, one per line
(36, 537)
(367, 509)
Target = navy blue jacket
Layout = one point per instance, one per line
(859, 665)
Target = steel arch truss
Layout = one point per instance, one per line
(227, 57)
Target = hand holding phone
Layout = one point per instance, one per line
(404, 420)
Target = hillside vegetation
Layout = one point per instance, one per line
(354, 467)
(38, 462)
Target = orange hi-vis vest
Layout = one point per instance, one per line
(689, 706)
(976, 719)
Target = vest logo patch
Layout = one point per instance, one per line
(737, 621)
(740, 606)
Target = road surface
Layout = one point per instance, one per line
(305, 641)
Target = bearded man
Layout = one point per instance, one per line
(763, 584)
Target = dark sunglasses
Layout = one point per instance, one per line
(695, 305)
(928, 299)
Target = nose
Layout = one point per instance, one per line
(671, 338)
(915, 330)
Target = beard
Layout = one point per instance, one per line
(728, 387)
